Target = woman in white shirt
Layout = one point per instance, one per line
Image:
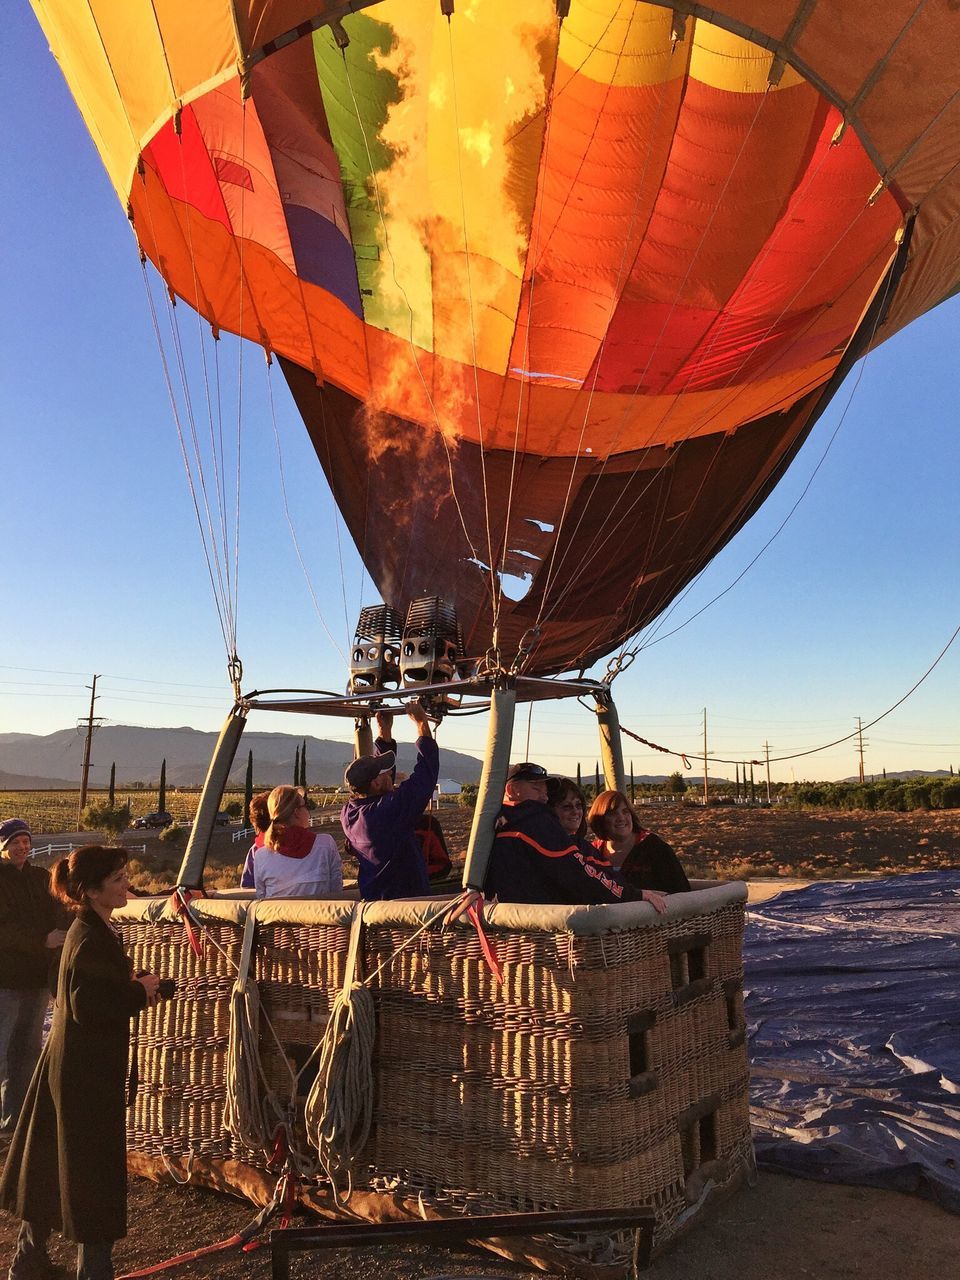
(294, 862)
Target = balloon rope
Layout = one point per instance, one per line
(585, 557)
(216, 455)
(553, 569)
(183, 451)
(651, 637)
(530, 276)
(219, 554)
(811, 751)
(602, 536)
(400, 289)
(494, 594)
(290, 524)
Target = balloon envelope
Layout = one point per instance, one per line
(558, 302)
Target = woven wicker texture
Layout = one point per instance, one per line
(181, 1043)
(607, 1069)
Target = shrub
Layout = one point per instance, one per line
(950, 795)
(105, 818)
(467, 799)
(235, 808)
(174, 834)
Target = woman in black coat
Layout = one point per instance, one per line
(67, 1169)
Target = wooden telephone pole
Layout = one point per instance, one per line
(85, 771)
(706, 784)
(860, 740)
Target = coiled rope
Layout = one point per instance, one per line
(339, 1107)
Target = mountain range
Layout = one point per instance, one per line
(40, 761)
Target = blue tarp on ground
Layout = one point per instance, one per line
(853, 1014)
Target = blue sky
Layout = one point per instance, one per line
(103, 570)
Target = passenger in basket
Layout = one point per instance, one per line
(644, 860)
(259, 816)
(294, 862)
(428, 830)
(380, 818)
(570, 805)
(535, 860)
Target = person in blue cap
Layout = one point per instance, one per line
(380, 818)
(32, 930)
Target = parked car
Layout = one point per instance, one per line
(159, 819)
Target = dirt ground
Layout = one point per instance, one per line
(782, 1229)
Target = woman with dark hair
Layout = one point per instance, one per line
(570, 805)
(67, 1165)
(645, 861)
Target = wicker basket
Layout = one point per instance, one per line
(608, 1068)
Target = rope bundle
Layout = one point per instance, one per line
(339, 1109)
(245, 1109)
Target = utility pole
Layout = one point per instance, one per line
(766, 748)
(860, 739)
(706, 784)
(85, 771)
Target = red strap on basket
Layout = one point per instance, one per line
(475, 916)
(180, 901)
(281, 1147)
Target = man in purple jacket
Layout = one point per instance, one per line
(380, 817)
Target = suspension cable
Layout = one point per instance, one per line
(652, 638)
(183, 452)
(495, 597)
(799, 755)
(289, 517)
(410, 312)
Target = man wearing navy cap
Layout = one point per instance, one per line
(381, 814)
(31, 935)
(534, 860)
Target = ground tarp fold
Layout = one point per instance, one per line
(853, 1011)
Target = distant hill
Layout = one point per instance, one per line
(27, 782)
(34, 762)
(905, 776)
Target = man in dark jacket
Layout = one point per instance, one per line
(380, 818)
(534, 860)
(31, 934)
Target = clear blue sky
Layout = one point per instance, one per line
(103, 570)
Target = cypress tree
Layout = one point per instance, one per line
(296, 768)
(247, 790)
(596, 777)
(113, 783)
(162, 798)
(633, 789)
(579, 783)
(303, 765)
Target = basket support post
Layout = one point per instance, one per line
(496, 761)
(611, 747)
(195, 855)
